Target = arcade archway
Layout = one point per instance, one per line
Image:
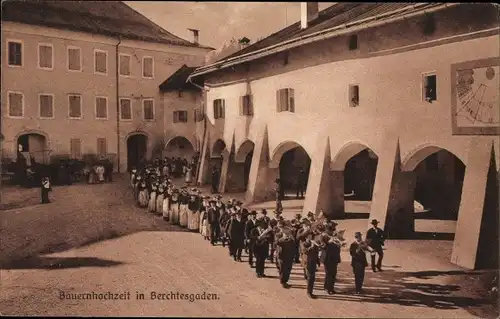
(240, 167)
(353, 170)
(294, 165)
(137, 147)
(179, 146)
(439, 178)
(34, 145)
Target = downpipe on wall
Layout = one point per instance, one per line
(118, 105)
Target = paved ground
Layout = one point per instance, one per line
(145, 254)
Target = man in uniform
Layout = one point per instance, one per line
(301, 184)
(375, 238)
(213, 222)
(330, 257)
(264, 216)
(358, 260)
(309, 255)
(236, 231)
(274, 226)
(249, 226)
(296, 225)
(285, 252)
(224, 219)
(279, 195)
(260, 237)
(46, 188)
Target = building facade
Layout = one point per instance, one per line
(69, 87)
(396, 83)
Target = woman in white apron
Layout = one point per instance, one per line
(100, 173)
(183, 208)
(137, 183)
(174, 207)
(194, 211)
(166, 204)
(143, 194)
(152, 198)
(159, 200)
(189, 176)
(133, 175)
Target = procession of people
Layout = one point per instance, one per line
(311, 241)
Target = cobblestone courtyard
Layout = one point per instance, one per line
(93, 239)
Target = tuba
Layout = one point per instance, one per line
(337, 238)
(364, 247)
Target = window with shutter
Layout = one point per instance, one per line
(101, 62)
(125, 109)
(74, 59)
(16, 104)
(353, 95)
(183, 116)
(124, 64)
(15, 53)
(246, 105)
(219, 108)
(101, 107)
(148, 109)
(45, 56)
(285, 100)
(147, 67)
(76, 148)
(75, 106)
(101, 146)
(46, 103)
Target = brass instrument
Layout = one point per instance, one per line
(337, 238)
(264, 233)
(364, 247)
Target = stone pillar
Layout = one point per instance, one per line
(202, 172)
(261, 180)
(223, 172)
(325, 189)
(235, 180)
(393, 194)
(476, 235)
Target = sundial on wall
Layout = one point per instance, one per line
(475, 97)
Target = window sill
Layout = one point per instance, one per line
(46, 118)
(101, 118)
(100, 73)
(45, 69)
(126, 120)
(15, 117)
(75, 71)
(76, 118)
(14, 66)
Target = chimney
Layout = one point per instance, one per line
(196, 34)
(308, 13)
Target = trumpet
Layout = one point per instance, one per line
(364, 247)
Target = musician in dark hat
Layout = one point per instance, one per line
(285, 252)
(236, 233)
(358, 260)
(249, 226)
(260, 236)
(279, 195)
(266, 218)
(330, 256)
(224, 219)
(297, 225)
(309, 249)
(301, 184)
(375, 238)
(213, 222)
(310, 216)
(273, 223)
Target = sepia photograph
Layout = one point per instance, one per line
(222, 159)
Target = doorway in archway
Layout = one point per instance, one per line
(137, 146)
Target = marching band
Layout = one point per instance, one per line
(312, 240)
